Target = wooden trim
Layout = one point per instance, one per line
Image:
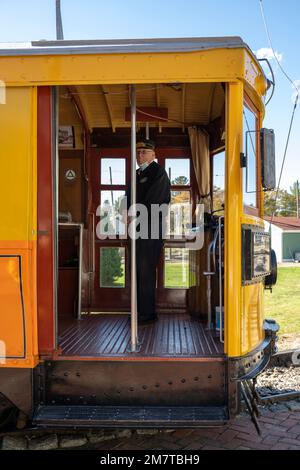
(71, 153)
(45, 215)
(58, 357)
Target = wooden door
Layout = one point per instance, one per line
(109, 179)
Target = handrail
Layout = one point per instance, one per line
(220, 278)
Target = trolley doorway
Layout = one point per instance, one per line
(94, 171)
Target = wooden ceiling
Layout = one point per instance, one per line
(104, 106)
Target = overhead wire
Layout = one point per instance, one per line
(294, 107)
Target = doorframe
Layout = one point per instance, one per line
(47, 217)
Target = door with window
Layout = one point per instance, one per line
(110, 250)
(110, 170)
(173, 270)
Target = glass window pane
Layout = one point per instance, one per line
(176, 268)
(249, 189)
(178, 170)
(180, 212)
(219, 180)
(112, 203)
(112, 170)
(112, 267)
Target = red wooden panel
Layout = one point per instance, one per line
(45, 249)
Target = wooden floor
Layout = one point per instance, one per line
(109, 336)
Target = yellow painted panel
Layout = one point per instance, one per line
(252, 317)
(12, 314)
(211, 65)
(18, 164)
(233, 209)
(18, 303)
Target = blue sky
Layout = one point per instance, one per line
(25, 20)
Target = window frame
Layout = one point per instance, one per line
(247, 209)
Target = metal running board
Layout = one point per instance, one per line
(130, 416)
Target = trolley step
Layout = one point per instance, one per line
(130, 416)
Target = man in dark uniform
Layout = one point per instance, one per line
(152, 187)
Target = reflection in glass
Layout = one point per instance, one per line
(176, 268)
(180, 212)
(218, 180)
(261, 254)
(112, 267)
(113, 171)
(178, 170)
(249, 187)
(112, 203)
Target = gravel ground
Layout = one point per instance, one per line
(289, 341)
(280, 379)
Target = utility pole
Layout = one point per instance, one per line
(297, 198)
(59, 27)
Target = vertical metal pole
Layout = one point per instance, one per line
(147, 131)
(134, 335)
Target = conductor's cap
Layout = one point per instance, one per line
(145, 144)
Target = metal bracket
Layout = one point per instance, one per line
(243, 160)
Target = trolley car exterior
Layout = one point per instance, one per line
(56, 389)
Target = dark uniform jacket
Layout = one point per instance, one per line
(152, 187)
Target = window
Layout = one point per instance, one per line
(113, 171)
(178, 170)
(176, 268)
(112, 267)
(250, 149)
(218, 180)
(111, 220)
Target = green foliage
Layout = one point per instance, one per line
(285, 205)
(111, 266)
(218, 198)
(180, 180)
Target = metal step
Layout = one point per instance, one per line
(130, 416)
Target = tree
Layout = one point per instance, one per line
(180, 180)
(285, 205)
(111, 266)
(218, 198)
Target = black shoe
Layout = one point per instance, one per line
(147, 321)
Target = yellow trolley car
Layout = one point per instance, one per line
(71, 350)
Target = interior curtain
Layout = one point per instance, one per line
(199, 140)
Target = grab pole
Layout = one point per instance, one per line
(134, 334)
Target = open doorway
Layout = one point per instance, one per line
(94, 171)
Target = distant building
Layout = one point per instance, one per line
(285, 237)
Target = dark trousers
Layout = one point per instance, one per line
(147, 257)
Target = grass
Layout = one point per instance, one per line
(174, 275)
(283, 305)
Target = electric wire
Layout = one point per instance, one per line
(294, 107)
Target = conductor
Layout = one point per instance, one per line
(152, 187)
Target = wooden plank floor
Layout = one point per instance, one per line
(109, 336)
